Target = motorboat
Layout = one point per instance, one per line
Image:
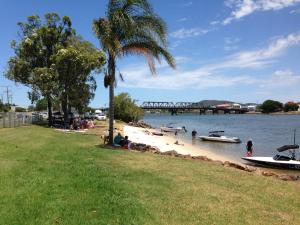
(172, 129)
(218, 136)
(279, 161)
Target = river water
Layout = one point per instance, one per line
(267, 132)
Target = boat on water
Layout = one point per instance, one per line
(279, 161)
(218, 136)
(172, 129)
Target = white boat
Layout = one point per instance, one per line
(216, 136)
(279, 161)
(173, 129)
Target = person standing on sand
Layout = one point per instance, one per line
(249, 148)
(194, 133)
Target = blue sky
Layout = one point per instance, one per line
(240, 50)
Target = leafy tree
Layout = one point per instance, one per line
(290, 106)
(74, 65)
(130, 28)
(4, 107)
(126, 109)
(31, 108)
(20, 109)
(41, 105)
(270, 106)
(32, 64)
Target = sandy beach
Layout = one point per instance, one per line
(167, 143)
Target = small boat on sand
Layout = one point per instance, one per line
(173, 129)
(279, 161)
(218, 136)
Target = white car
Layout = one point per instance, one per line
(100, 116)
(43, 115)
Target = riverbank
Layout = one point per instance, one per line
(167, 143)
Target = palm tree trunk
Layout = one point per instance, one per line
(111, 72)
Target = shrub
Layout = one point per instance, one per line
(270, 106)
(126, 109)
(291, 106)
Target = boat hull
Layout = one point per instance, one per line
(270, 162)
(171, 129)
(220, 139)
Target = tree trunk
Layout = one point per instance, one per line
(65, 110)
(111, 72)
(49, 101)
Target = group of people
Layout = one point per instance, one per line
(78, 123)
(120, 140)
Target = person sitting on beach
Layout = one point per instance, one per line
(125, 142)
(249, 148)
(118, 139)
(194, 133)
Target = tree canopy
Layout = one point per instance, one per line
(290, 106)
(126, 108)
(270, 106)
(54, 62)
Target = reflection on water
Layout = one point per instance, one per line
(268, 132)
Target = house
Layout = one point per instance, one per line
(236, 106)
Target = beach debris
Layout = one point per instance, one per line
(269, 174)
(177, 143)
(157, 133)
(170, 153)
(141, 124)
(287, 177)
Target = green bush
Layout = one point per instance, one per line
(20, 109)
(291, 106)
(270, 106)
(126, 109)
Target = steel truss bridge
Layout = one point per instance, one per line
(183, 106)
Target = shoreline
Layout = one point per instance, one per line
(167, 143)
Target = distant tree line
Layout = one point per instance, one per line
(271, 106)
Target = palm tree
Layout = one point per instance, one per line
(130, 28)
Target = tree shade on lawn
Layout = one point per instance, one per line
(130, 27)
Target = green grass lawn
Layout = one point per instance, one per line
(47, 177)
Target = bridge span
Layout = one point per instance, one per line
(190, 106)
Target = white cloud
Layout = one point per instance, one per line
(295, 11)
(188, 4)
(188, 33)
(182, 19)
(213, 23)
(242, 8)
(231, 43)
(261, 57)
(280, 78)
(216, 74)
